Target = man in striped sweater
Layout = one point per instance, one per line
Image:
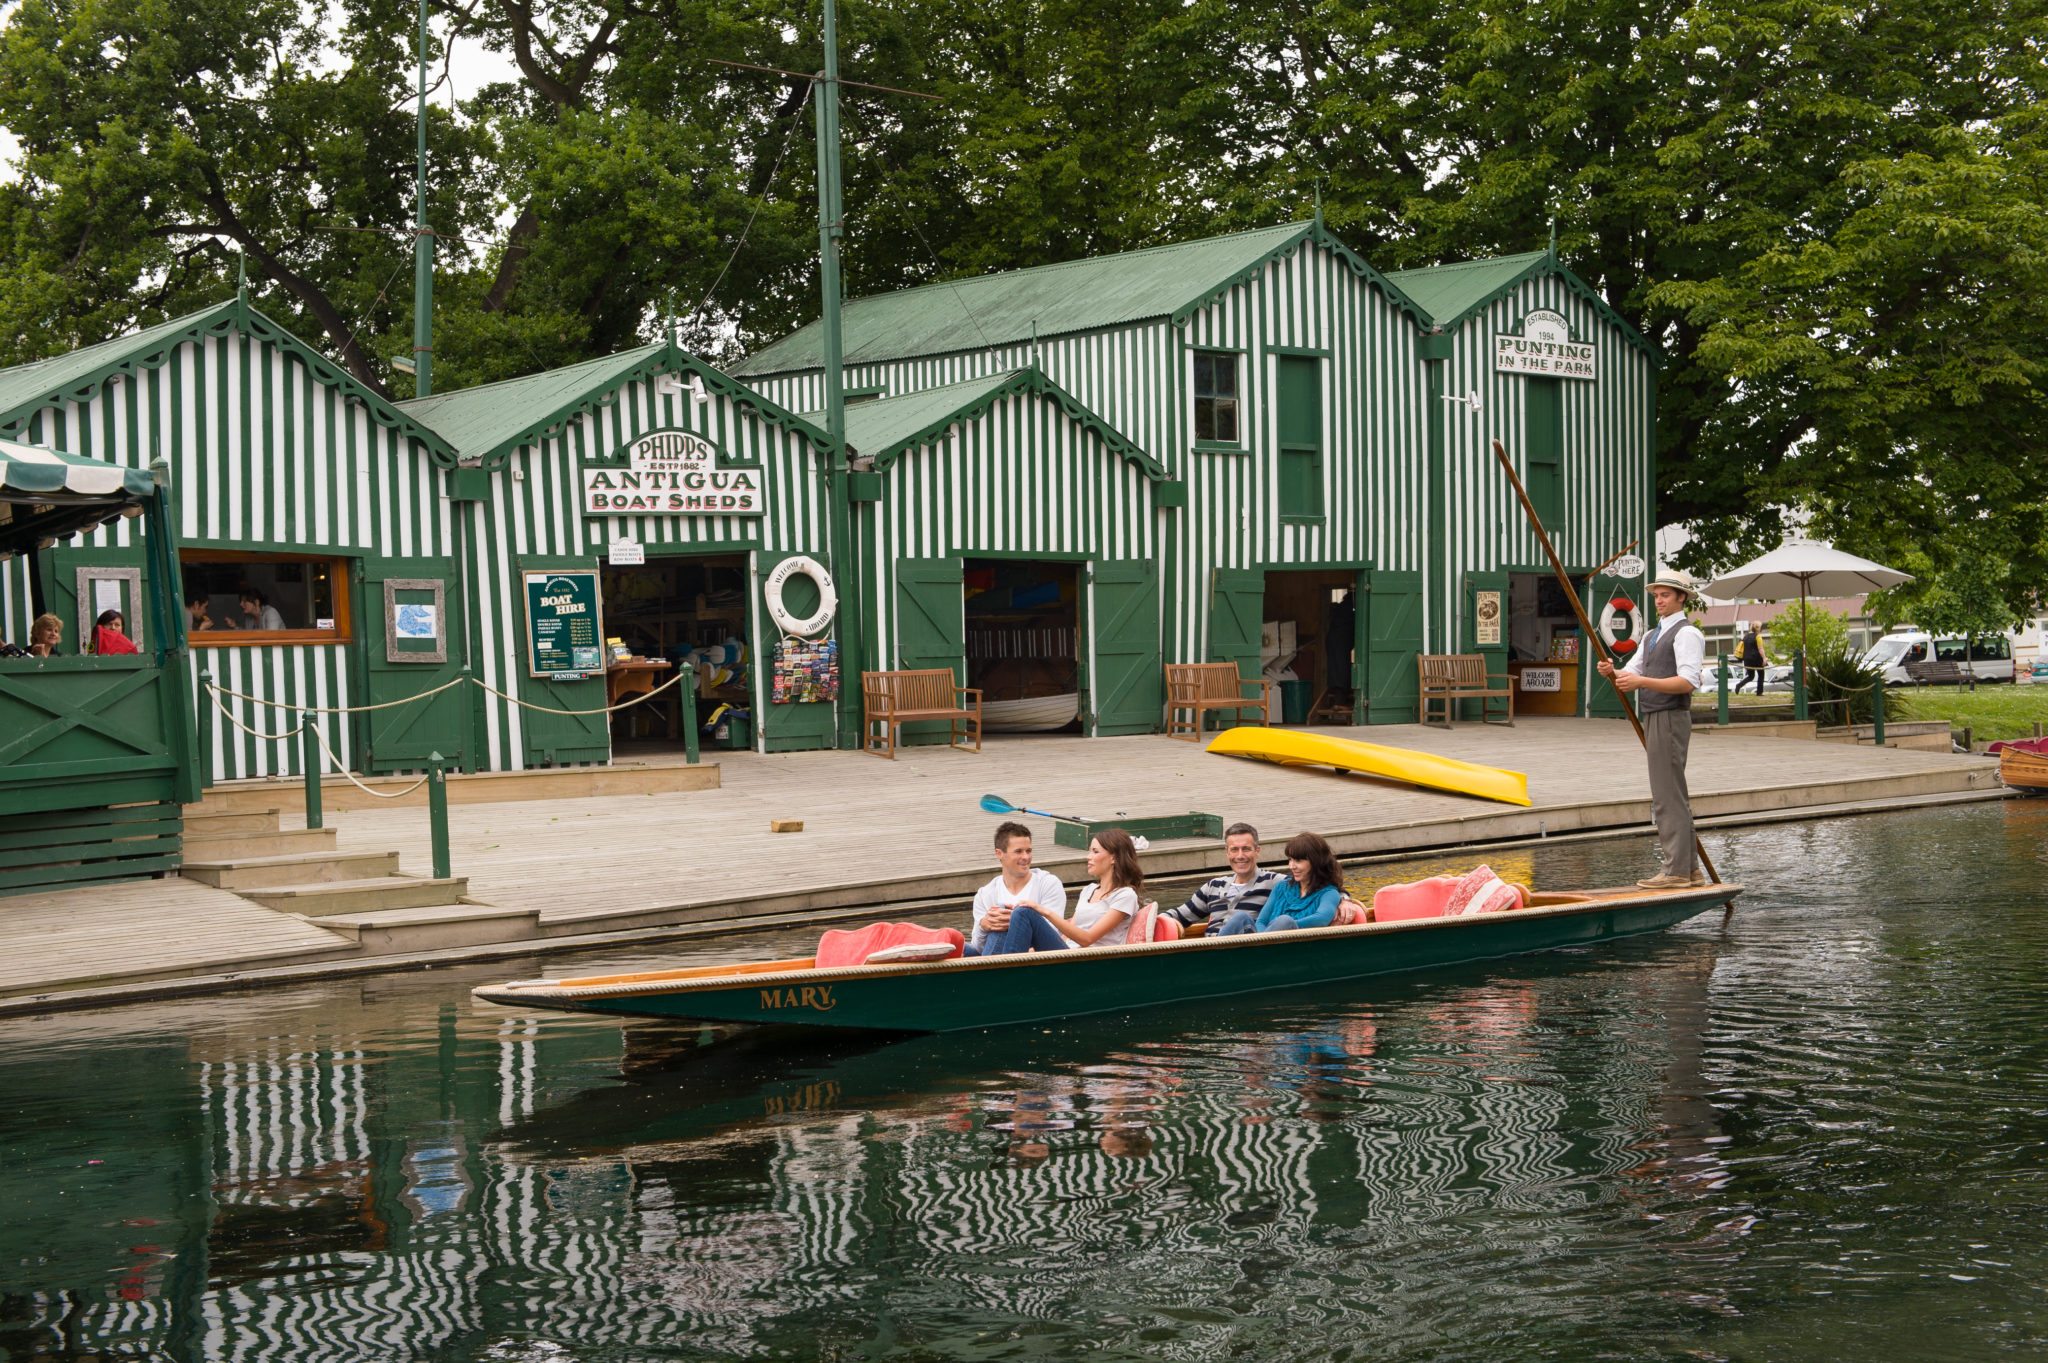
(1246, 887)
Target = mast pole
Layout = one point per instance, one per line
(422, 245)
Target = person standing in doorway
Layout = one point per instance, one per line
(1662, 676)
(1753, 660)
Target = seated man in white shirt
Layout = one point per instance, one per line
(998, 928)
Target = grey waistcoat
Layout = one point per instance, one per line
(1660, 659)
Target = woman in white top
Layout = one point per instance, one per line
(1106, 907)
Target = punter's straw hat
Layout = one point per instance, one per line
(1679, 582)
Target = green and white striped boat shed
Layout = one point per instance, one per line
(1038, 416)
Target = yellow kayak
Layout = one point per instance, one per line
(1296, 748)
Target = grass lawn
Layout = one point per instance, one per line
(1989, 712)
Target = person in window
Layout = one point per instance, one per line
(110, 634)
(257, 612)
(196, 618)
(46, 636)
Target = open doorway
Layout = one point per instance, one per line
(1307, 644)
(1546, 647)
(665, 612)
(1023, 644)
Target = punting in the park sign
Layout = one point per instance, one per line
(1544, 349)
(564, 622)
(670, 473)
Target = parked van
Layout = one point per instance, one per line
(1989, 656)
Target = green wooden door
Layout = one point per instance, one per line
(80, 583)
(1597, 693)
(1361, 647)
(1393, 623)
(808, 724)
(931, 626)
(1237, 610)
(1488, 592)
(1127, 688)
(409, 632)
(552, 735)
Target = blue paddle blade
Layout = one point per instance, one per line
(993, 804)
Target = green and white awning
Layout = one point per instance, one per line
(30, 473)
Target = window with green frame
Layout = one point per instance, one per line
(1544, 443)
(1218, 401)
(1298, 405)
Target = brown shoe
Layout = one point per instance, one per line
(1666, 882)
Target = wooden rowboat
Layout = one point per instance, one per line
(957, 995)
(2023, 763)
(1306, 748)
(1031, 715)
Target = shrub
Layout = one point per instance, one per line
(1835, 676)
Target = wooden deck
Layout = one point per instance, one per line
(912, 829)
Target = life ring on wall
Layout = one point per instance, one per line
(812, 625)
(1618, 623)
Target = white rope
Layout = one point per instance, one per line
(292, 732)
(600, 710)
(379, 794)
(339, 709)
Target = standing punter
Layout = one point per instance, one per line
(1665, 672)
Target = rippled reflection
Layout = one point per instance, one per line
(1817, 1131)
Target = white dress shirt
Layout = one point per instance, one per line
(1688, 650)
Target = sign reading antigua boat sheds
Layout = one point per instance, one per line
(670, 473)
(1545, 349)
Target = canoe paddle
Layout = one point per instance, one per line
(996, 804)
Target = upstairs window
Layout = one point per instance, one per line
(1298, 398)
(1218, 409)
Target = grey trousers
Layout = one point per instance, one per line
(1668, 734)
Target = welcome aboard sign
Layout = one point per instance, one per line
(670, 473)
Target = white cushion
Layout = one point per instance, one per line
(912, 951)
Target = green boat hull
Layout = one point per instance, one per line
(1042, 987)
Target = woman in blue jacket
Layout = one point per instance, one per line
(1307, 898)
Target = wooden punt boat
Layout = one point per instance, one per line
(1031, 715)
(958, 995)
(1306, 748)
(2023, 763)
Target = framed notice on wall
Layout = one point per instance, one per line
(564, 622)
(1486, 619)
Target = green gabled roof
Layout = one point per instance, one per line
(884, 429)
(486, 423)
(1452, 294)
(74, 376)
(1046, 300)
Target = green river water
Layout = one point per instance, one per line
(1820, 1132)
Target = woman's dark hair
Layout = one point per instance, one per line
(198, 596)
(1322, 862)
(110, 617)
(1124, 871)
(249, 593)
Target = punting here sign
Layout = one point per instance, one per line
(670, 473)
(1545, 349)
(564, 622)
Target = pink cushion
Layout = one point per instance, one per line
(1350, 911)
(1416, 899)
(1138, 931)
(1479, 880)
(1162, 930)
(843, 947)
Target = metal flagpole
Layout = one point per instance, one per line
(1578, 608)
(422, 246)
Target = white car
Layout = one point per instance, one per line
(1989, 656)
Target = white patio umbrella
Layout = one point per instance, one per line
(1803, 567)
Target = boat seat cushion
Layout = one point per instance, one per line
(1416, 899)
(1145, 927)
(857, 946)
(1350, 911)
(1480, 890)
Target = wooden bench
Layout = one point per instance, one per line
(893, 699)
(1448, 678)
(1937, 674)
(1194, 689)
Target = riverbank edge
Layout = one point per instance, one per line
(154, 990)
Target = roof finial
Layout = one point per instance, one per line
(1034, 343)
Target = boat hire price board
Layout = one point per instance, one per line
(564, 622)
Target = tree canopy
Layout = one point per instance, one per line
(1826, 217)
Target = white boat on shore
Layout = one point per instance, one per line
(1031, 715)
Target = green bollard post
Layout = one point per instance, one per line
(437, 813)
(686, 704)
(1799, 683)
(1721, 692)
(205, 729)
(1877, 711)
(310, 740)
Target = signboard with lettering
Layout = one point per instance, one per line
(1542, 679)
(1486, 620)
(1545, 349)
(670, 473)
(564, 622)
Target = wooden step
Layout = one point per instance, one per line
(254, 873)
(433, 927)
(362, 896)
(203, 821)
(208, 846)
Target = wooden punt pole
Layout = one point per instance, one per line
(1592, 635)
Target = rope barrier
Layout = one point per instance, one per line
(215, 696)
(219, 691)
(337, 709)
(599, 710)
(379, 794)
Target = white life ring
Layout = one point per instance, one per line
(814, 624)
(1619, 625)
